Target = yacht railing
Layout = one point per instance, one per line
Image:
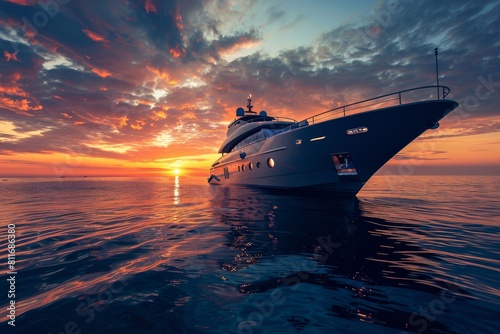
(386, 100)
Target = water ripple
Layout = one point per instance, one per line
(165, 255)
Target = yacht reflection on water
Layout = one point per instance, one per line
(294, 242)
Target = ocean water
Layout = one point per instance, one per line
(415, 254)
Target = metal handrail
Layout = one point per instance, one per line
(395, 96)
(446, 91)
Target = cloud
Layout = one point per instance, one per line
(460, 127)
(103, 73)
(150, 6)
(426, 155)
(149, 80)
(94, 36)
(23, 2)
(10, 56)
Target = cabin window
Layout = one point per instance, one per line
(262, 134)
(270, 162)
(250, 165)
(258, 164)
(239, 169)
(242, 168)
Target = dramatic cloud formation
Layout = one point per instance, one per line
(151, 85)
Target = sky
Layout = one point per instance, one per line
(147, 87)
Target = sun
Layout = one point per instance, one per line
(177, 172)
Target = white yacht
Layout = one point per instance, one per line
(337, 150)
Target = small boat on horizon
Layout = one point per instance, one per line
(334, 151)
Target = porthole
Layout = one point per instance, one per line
(239, 169)
(270, 162)
(258, 164)
(250, 165)
(243, 168)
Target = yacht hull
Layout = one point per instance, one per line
(338, 155)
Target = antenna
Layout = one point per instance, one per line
(249, 105)
(437, 72)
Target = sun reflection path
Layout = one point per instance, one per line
(176, 189)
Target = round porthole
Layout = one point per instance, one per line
(258, 164)
(243, 168)
(250, 165)
(270, 162)
(239, 169)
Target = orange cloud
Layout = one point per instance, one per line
(16, 76)
(123, 121)
(15, 98)
(242, 43)
(138, 126)
(101, 72)
(190, 115)
(94, 36)
(157, 72)
(18, 106)
(24, 2)
(177, 52)
(18, 91)
(145, 102)
(159, 114)
(150, 7)
(178, 21)
(10, 56)
(22, 104)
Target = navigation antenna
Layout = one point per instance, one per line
(249, 105)
(437, 73)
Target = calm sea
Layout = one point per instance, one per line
(174, 255)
